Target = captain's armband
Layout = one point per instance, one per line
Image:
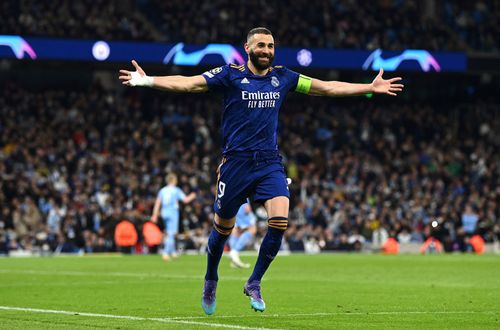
(304, 84)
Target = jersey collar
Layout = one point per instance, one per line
(269, 70)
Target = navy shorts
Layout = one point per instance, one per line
(258, 176)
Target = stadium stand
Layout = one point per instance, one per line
(76, 162)
(386, 24)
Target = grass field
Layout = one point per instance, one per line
(301, 292)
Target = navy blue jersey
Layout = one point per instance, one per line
(251, 105)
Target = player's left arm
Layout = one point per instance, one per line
(183, 198)
(379, 85)
(189, 198)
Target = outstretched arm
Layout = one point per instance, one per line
(189, 198)
(182, 84)
(379, 85)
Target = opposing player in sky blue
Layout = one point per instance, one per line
(251, 165)
(243, 232)
(167, 206)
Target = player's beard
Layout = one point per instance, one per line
(254, 58)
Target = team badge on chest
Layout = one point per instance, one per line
(275, 82)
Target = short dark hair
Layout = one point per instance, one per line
(258, 30)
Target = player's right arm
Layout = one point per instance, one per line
(181, 84)
(156, 210)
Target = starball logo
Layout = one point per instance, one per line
(18, 45)
(424, 59)
(178, 56)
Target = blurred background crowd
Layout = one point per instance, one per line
(75, 162)
(387, 24)
(76, 159)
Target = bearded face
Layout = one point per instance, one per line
(261, 61)
(260, 50)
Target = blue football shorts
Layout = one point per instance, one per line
(258, 176)
(245, 222)
(171, 221)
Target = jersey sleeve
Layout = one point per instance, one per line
(292, 78)
(298, 82)
(217, 78)
(160, 194)
(180, 194)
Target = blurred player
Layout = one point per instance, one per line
(243, 233)
(251, 166)
(168, 202)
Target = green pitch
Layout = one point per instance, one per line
(301, 292)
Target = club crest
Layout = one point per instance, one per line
(275, 82)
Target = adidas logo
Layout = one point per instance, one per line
(245, 81)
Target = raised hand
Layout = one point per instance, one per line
(389, 86)
(135, 78)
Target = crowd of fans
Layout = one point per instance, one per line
(313, 23)
(87, 19)
(73, 163)
(475, 22)
(386, 24)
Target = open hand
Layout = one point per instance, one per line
(389, 86)
(134, 78)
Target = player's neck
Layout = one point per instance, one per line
(255, 71)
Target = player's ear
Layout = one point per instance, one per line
(247, 47)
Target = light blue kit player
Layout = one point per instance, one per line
(251, 165)
(167, 206)
(243, 233)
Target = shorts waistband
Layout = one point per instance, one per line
(255, 155)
